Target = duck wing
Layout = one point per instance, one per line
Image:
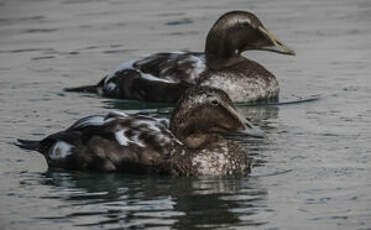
(174, 67)
(161, 77)
(112, 142)
(133, 84)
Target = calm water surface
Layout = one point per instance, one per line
(312, 172)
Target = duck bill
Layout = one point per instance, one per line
(251, 130)
(278, 46)
(246, 128)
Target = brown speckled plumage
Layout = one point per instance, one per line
(258, 86)
(218, 157)
(144, 144)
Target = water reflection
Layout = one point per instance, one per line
(117, 201)
(257, 113)
(123, 104)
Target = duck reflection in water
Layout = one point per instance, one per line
(123, 201)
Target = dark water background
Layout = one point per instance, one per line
(312, 172)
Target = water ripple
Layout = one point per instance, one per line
(123, 201)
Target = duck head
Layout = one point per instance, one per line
(203, 111)
(236, 32)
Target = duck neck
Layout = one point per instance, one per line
(197, 141)
(189, 131)
(220, 50)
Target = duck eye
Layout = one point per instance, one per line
(214, 102)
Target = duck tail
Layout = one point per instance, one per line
(88, 88)
(29, 145)
(83, 89)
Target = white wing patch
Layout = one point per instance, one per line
(110, 86)
(118, 113)
(149, 125)
(137, 141)
(144, 130)
(164, 121)
(195, 65)
(198, 66)
(122, 139)
(176, 53)
(60, 150)
(95, 120)
(98, 120)
(150, 77)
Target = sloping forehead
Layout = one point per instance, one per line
(239, 17)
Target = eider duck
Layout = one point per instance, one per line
(189, 144)
(163, 77)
